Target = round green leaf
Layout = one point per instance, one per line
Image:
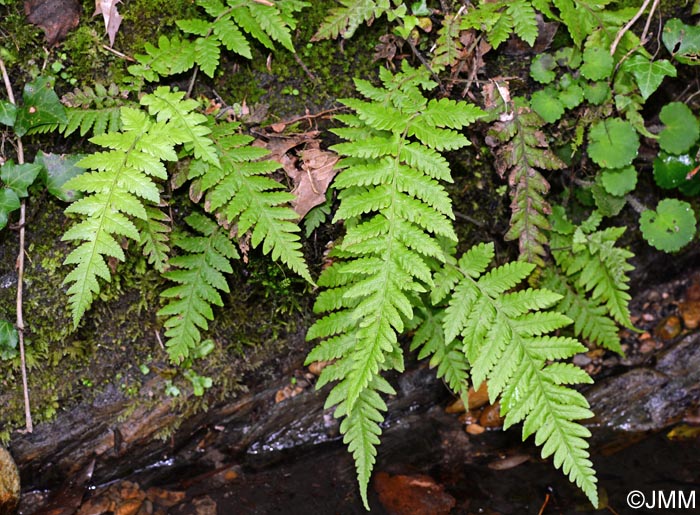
(670, 227)
(547, 105)
(597, 63)
(56, 171)
(541, 68)
(572, 96)
(613, 143)
(680, 130)
(619, 182)
(671, 170)
(607, 204)
(8, 340)
(596, 92)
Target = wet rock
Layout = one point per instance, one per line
(412, 495)
(648, 399)
(9, 483)
(668, 328)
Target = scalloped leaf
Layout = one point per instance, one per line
(620, 181)
(613, 143)
(669, 227)
(681, 129)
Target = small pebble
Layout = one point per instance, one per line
(668, 328)
(474, 429)
(690, 311)
(581, 360)
(647, 346)
(491, 416)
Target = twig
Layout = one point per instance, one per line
(20, 269)
(648, 23)
(425, 63)
(627, 27)
(191, 86)
(310, 75)
(118, 53)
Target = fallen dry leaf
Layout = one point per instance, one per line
(55, 17)
(112, 18)
(317, 172)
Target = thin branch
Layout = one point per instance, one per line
(627, 27)
(20, 269)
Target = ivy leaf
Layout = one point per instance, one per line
(649, 74)
(19, 177)
(670, 227)
(8, 340)
(671, 171)
(41, 107)
(613, 143)
(9, 202)
(680, 130)
(56, 170)
(8, 113)
(571, 96)
(683, 41)
(619, 182)
(548, 106)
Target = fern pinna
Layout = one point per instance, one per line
(395, 210)
(121, 188)
(505, 337)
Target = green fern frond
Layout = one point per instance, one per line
(244, 194)
(522, 150)
(394, 211)
(264, 22)
(199, 272)
(524, 21)
(448, 47)
(120, 187)
(505, 338)
(595, 265)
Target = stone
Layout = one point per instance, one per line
(9, 483)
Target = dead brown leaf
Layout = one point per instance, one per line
(108, 10)
(317, 172)
(55, 17)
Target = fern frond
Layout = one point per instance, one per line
(170, 57)
(120, 187)
(595, 265)
(522, 150)
(242, 191)
(394, 211)
(448, 47)
(524, 21)
(199, 272)
(505, 337)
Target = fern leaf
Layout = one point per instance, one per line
(199, 273)
(448, 47)
(170, 57)
(231, 37)
(241, 190)
(505, 338)
(522, 148)
(394, 209)
(118, 189)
